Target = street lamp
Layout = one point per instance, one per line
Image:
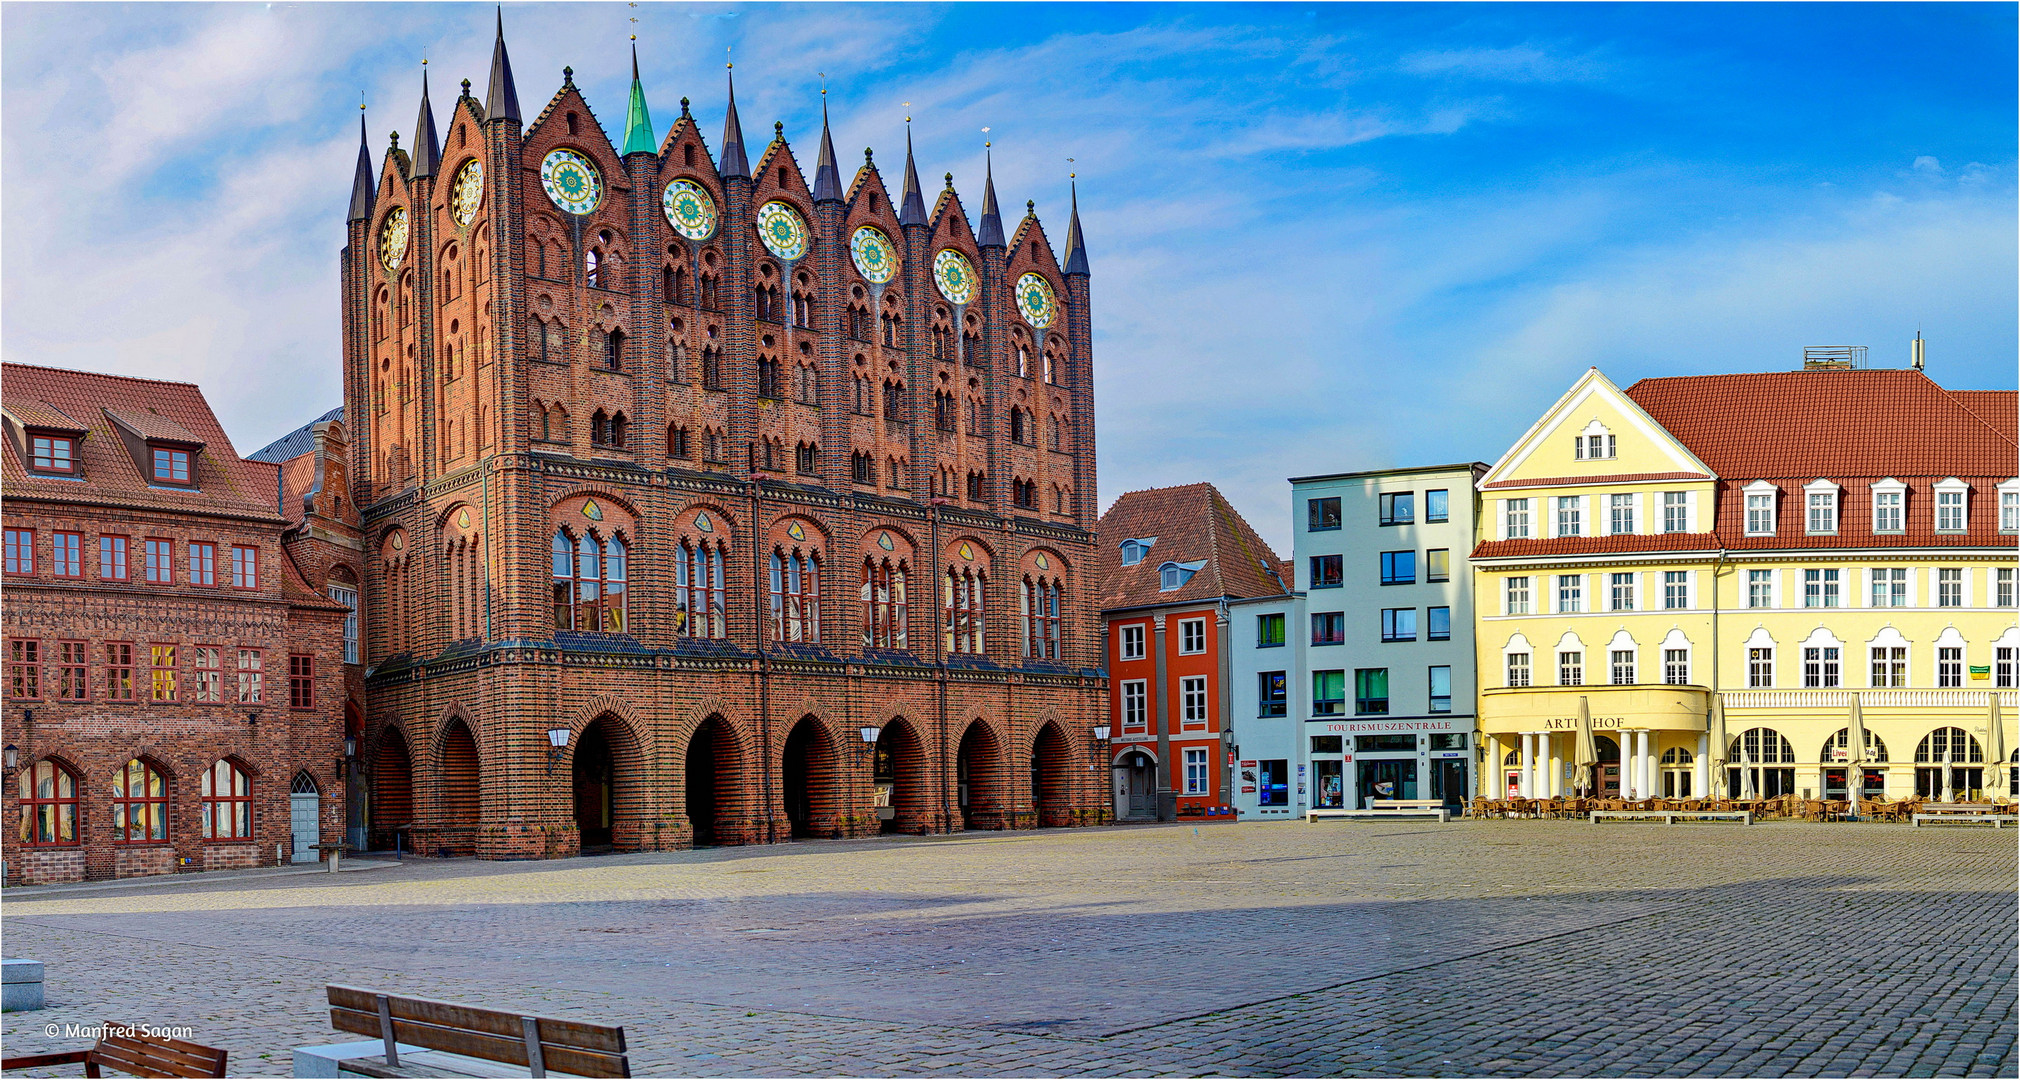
(350, 746)
(557, 741)
(13, 757)
(870, 736)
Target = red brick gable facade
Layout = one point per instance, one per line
(644, 553)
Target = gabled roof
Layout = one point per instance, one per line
(1832, 422)
(1995, 407)
(149, 409)
(36, 414)
(297, 442)
(1588, 386)
(1192, 524)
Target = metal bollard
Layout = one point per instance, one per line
(336, 855)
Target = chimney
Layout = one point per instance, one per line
(1915, 354)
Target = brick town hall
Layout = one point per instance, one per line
(690, 498)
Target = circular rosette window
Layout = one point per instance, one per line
(571, 181)
(1036, 301)
(955, 276)
(467, 193)
(689, 209)
(873, 255)
(393, 238)
(783, 231)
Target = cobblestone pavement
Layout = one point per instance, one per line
(1533, 948)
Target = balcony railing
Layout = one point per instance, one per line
(1868, 699)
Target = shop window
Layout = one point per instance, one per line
(1273, 786)
(227, 802)
(48, 794)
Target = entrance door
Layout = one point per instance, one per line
(1390, 779)
(1448, 782)
(1140, 779)
(305, 818)
(1329, 785)
(593, 774)
(1609, 780)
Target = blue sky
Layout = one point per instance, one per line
(1323, 238)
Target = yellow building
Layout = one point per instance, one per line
(1732, 573)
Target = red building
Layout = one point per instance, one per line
(1170, 561)
(699, 499)
(175, 690)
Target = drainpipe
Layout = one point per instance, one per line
(1167, 796)
(763, 673)
(1224, 701)
(948, 797)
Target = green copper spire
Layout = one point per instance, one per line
(638, 123)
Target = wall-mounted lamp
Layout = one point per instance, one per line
(252, 717)
(870, 736)
(1101, 732)
(557, 741)
(350, 746)
(13, 757)
(28, 716)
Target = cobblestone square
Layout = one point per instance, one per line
(1533, 948)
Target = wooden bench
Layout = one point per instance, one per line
(133, 1051)
(1673, 817)
(1957, 817)
(1382, 808)
(536, 1044)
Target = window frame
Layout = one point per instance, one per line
(1515, 519)
(20, 553)
(173, 455)
(1272, 694)
(249, 676)
(1394, 623)
(1514, 596)
(1197, 777)
(1431, 631)
(1326, 572)
(1195, 709)
(1191, 637)
(1386, 504)
(1515, 669)
(1322, 704)
(1265, 624)
(24, 669)
(1432, 574)
(1442, 515)
(301, 680)
(57, 559)
(32, 460)
(1391, 562)
(1140, 699)
(115, 551)
(245, 575)
(1329, 628)
(1435, 697)
(1366, 681)
(39, 810)
(201, 568)
(236, 802)
(154, 798)
(1322, 514)
(1125, 636)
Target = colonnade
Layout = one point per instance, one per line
(1542, 754)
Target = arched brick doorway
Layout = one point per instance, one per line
(595, 775)
(457, 802)
(981, 774)
(899, 769)
(391, 810)
(1049, 792)
(808, 769)
(712, 769)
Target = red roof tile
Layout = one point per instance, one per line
(1834, 422)
(1996, 407)
(36, 414)
(1543, 547)
(175, 410)
(153, 426)
(1193, 523)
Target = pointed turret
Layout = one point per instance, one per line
(638, 122)
(361, 184)
(427, 147)
(991, 232)
(827, 175)
(502, 102)
(733, 163)
(912, 211)
(1076, 248)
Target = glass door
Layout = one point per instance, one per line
(1385, 779)
(1329, 785)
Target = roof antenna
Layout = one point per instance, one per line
(1915, 354)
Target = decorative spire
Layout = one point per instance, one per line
(733, 163)
(638, 122)
(361, 184)
(827, 176)
(911, 211)
(1076, 247)
(502, 101)
(427, 148)
(991, 232)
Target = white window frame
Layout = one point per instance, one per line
(347, 595)
(1949, 667)
(1895, 519)
(1682, 590)
(1568, 510)
(1678, 501)
(1762, 497)
(1820, 508)
(1195, 771)
(1953, 505)
(1129, 638)
(1884, 670)
(1135, 692)
(1515, 598)
(2003, 587)
(1619, 663)
(1192, 702)
(1880, 581)
(1771, 579)
(1830, 587)
(1570, 661)
(1577, 593)
(1618, 502)
(1191, 637)
(1515, 519)
(1938, 591)
(1510, 670)
(1614, 584)
(2009, 506)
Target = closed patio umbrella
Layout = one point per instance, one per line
(1585, 755)
(1718, 744)
(1995, 731)
(1855, 755)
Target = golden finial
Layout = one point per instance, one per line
(729, 61)
(908, 112)
(985, 142)
(824, 82)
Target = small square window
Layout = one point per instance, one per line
(1399, 567)
(1269, 630)
(1438, 564)
(1437, 506)
(1132, 642)
(1329, 628)
(1322, 515)
(171, 466)
(56, 454)
(1397, 507)
(1192, 636)
(1326, 572)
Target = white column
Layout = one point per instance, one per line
(1528, 762)
(1556, 769)
(1701, 770)
(1490, 774)
(1647, 740)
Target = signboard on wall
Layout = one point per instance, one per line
(1388, 727)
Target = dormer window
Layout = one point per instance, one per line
(171, 466)
(2009, 506)
(1174, 575)
(1820, 500)
(55, 454)
(1889, 499)
(1133, 550)
(1760, 508)
(1951, 498)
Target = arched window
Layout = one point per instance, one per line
(619, 430)
(768, 377)
(807, 459)
(1040, 603)
(48, 794)
(1016, 424)
(588, 582)
(795, 596)
(803, 311)
(564, 581)
(1837, 748)
(139, 804)
(599, 428)
(711, 369)
(613, 350)
(589, 267)
(885, 612)
(1951, 744)
(1950, 765)
(227, 802)
(961, 598)
(676, 442)
(698, 590)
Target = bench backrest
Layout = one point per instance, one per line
(137, 1054)
(1412, 804)
(535, 1042)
